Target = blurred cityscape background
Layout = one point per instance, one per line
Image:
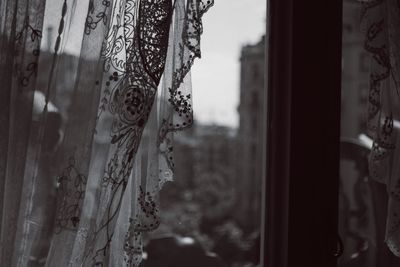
(216, 196)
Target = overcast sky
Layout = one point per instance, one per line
(228, 25)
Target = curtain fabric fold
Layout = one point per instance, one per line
(89, 135)
(381, 25)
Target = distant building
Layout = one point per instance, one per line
(185, 146)
(216, 149)
(214, 171)
(250, 136)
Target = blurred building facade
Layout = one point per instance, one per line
(252, 119)
(355, 72)
(214, 172)
(205, 158)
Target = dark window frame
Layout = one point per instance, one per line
(303, 133)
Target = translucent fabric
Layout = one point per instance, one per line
(381, 24)
(89, 134)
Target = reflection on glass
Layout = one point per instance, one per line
(363, 202)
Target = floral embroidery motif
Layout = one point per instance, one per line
(187, 51)
(130, 102)
(134, 54)
(147, 220)
(91, 22)
(71, 185)
(380, 21)
(30, 70)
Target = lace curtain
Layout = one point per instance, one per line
(381, 25)
(87, 138)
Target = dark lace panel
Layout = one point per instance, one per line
(154, 22)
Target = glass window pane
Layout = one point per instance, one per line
(215, 200)
(363, 202)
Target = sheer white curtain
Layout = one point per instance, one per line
(381, 25)
(89, 137)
